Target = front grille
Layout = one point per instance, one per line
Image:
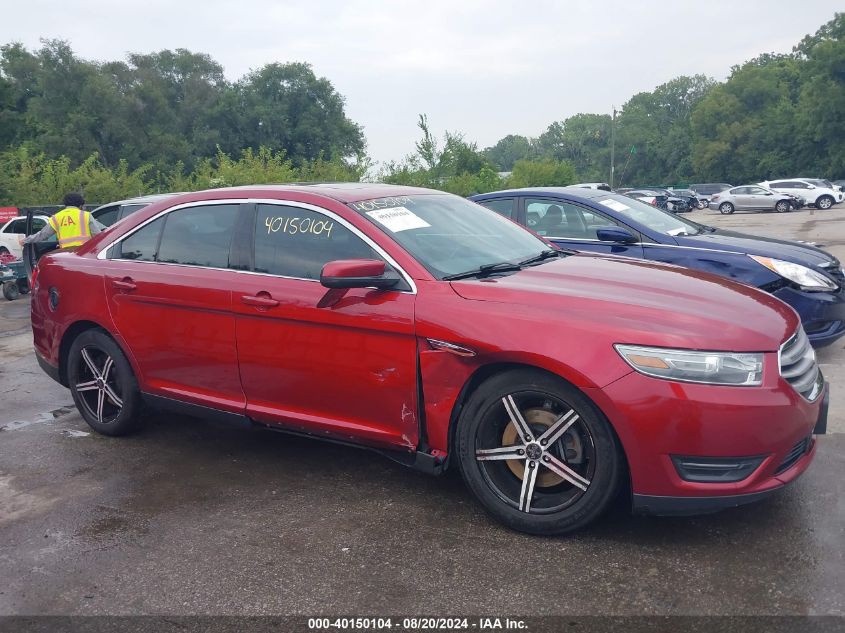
(795, 454)
(798, 366)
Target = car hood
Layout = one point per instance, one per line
(796, 252)
(641, 302)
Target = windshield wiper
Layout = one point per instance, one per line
(485, 271)
(544, 255)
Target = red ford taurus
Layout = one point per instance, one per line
(435, 331)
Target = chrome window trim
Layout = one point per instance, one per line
(274, 201)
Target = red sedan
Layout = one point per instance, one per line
(443, 335)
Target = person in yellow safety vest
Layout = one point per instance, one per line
(72, 225)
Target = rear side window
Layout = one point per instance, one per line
(296, 242)
(195, 236)
(17, 226)
(129, 209)
(198, 236)
(142, 244)
(781, 185)
(502, 207)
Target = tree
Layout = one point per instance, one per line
(286, 107)
(545, 172)
(508, 150)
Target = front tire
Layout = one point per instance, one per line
(102, 384)
(783, 206)
(726, 208)
(824, 202)
(537, 454)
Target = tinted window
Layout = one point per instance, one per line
(198, 236)
(107, 216)
(142, 244)
(502, 207)
(781, 185)
(740, 191)
(129, 209)
(16, 226)
(556, 218)
(295, 242)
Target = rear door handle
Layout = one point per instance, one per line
(261, 300)
(126, 284)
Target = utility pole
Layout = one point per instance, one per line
(612, 144)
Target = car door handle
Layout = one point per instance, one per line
(124, 284)
(261, 300)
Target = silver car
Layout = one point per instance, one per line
(750, 198)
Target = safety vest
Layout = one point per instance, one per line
(72, 226)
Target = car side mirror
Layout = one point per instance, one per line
(616, 234)
(356, 273)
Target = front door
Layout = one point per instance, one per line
(346, 370)
(169, 291)
(573, 226)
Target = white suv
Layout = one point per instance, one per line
(13, 230)
(820, 193)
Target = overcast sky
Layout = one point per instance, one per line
(486, 69)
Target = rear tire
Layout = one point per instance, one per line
(529, 491)
(824, 202)
(726, 208)
(11, 290)
(102, 384)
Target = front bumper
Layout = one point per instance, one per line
(658, 419)
(822, 313)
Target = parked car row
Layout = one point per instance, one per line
(443, 335)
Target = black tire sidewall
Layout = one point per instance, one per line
(11, 291)
(606, 478)
(127, 420)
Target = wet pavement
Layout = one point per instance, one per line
(190, 516)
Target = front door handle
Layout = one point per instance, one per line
(126, 284)
(260, 300)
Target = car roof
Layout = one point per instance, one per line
(148, 199)
(579, 192)
(341, 191)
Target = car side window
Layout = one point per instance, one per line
(797, 185)
(107, 216)
(758, 191)
(296, 242)
(17, 226)
(780, 185)
(142, 244)
(502, 206)
(557, 218)
(198, 236)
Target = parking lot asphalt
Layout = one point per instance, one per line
(191, 516)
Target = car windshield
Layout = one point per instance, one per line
(649, 216)
(449, 235)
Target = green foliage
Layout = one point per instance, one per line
(166, 107)
(456, 166)
(28, 178)
(545, 172)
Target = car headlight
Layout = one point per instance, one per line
(714, 368)
(807, 278)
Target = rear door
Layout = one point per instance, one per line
(574, 226)
(169, 287)
(346, 370)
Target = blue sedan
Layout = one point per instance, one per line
(807, 278)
